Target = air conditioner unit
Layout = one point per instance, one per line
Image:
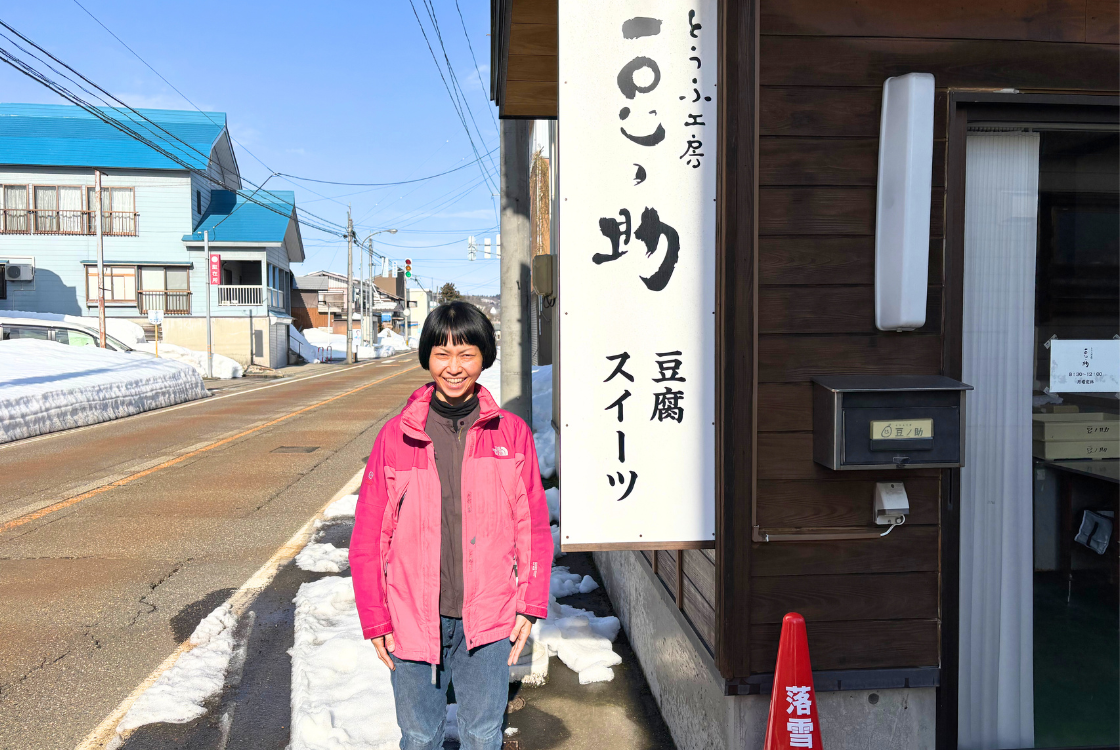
(19, 272)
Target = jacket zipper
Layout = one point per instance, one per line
(400, 503)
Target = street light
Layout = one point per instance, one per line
(361, 282)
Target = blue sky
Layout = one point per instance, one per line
(343, 91)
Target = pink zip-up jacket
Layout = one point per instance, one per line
(395, 547)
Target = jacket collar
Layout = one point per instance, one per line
(414, 417)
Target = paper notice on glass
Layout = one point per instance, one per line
(1085, 366)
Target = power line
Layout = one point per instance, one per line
(474, 59)
(33, 73)
(454, 102)
(387, 184)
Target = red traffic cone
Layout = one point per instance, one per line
(793, 719)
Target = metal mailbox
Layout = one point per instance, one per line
(888, 421)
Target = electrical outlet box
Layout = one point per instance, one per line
(891, 503)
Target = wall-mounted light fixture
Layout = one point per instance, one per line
(903, 202)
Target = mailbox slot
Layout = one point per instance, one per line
(884, 422)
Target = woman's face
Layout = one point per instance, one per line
(455, 368)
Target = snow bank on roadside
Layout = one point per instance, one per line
(224, 367)
(177, 696)
(320, 340)
(341, 695)
(46, 387)
(323, 558)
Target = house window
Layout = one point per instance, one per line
(157, 278)
(120, 284)
(15, 209)
(198, 202)
(58, 209)
(118, 206)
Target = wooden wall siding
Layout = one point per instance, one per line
(832, 309)
(794, 60)
(821, 69)
(792, 503)
(821, 261)
(1023, 20)
(859, 644)
(667, 570)
(788, 359)
(793, 161)
(699, 594)
(859, 596)
(531, 72)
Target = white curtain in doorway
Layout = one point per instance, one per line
(996, 697)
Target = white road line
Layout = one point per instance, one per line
(196, 402)
(240, 601)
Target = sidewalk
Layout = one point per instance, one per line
(348, 706)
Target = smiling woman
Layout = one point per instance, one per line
(452, 473)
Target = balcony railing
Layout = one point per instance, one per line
(172, 303)
(240, 295)
(44, 221)
(275, 299)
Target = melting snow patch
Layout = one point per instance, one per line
(342, 698)
(344, 507)
(557, 553)
(46, 387)
(323, 558)
(580, 638)
(177, 696)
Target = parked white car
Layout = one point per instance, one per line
(61, 332)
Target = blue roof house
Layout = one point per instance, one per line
(156, 203)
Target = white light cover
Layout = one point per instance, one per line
(903, 202)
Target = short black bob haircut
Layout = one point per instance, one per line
(462, 323)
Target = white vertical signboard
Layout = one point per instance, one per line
(637, 119)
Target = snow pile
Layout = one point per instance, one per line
(301, 346)
(341, 695)
(557, 553)
(125, 331)
(580, 638)
(177, 696)
(552, 497)
(543, 434)
(343, 507)
(319, 341)
(323, 558)
(391, 338)
(223, 366)
(46, 387)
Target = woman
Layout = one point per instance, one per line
(452, 551)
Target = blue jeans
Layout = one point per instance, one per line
(481, 678)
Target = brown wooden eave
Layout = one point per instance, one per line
(523, 58)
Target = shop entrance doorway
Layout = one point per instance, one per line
(1039, 610)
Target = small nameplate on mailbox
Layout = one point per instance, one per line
(909, 429)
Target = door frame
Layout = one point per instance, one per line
(965, 108)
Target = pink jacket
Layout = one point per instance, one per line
(395, 547)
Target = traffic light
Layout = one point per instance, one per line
(408, 268)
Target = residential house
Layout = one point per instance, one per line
(152, 205)
(319, 301)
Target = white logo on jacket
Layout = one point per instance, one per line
(500, 451)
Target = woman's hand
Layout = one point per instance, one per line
(385, 645)
(520, 634)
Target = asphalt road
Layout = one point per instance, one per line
(115, 540)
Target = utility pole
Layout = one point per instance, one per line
(517, 387)
(209, 335)
(361, 296)
(100, 260)
(349, 287)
